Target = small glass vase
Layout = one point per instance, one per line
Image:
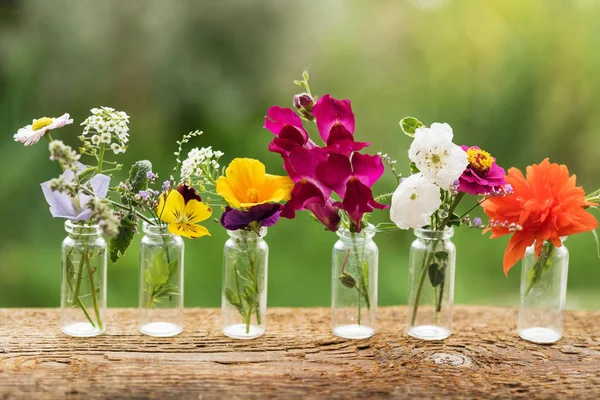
(431, 284)
(244, 295)
(543, 293)
(354, 284)
(160, 282)
(83, 289)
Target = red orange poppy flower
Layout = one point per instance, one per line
(546, 205)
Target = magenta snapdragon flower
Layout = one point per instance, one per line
(320, 171)
(482, 175)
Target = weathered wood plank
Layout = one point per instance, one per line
(297, 358)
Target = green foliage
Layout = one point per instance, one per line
(157, 279)
(410, 125)
(137, 175)
(119, 244)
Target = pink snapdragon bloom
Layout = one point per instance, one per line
(352, 181)
(320, 171)
(288, 130)
(309, 192)
(482, 175)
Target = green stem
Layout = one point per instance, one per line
(428, 258)
(100, 158)
(547, 253)
(93, 293)
(76, 300)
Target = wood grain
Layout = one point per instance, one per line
(297, 358)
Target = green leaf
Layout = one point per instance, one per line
(441, 255)
(158, 273)
(137, 175)
(231, 297)
(119, 244)
(305, 74)
(413, 168)
(454, 220)
(409, 125)
(436, 274)
(250, 291)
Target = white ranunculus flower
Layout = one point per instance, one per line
(439, 160)
(414, 201)
(31, 134)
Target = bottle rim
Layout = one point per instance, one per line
(76, 228)
(244, 234)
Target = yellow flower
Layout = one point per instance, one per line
(181, 216)
(247, 184)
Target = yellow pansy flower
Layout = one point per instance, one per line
(183, 216)
(247, 184)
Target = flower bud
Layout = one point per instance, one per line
(304, 101)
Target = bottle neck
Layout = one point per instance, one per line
(365, 234)
(428, 234)
(248, 235)
(77, 230)
(156, 230)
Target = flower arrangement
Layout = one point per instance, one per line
(332, 181)
(81, 195)
(547, 206)
(442, 174)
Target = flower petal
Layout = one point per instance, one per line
(196, 211)
(192, 231)
(172, 210)
(329, 112)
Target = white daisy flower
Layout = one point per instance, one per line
(96, 140)
(414, 201)
(439, 160)
(31, 134)
(106, 137)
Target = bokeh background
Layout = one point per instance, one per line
(518, 78)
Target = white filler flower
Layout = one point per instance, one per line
(31, 134)
(414, 201)
(439, 160)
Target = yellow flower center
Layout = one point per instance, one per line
(435, 158)
(252, 195)
(479, 160)
(40, 123)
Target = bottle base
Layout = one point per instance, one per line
(353, 331)
(238, 331)
(540, 335)
(160, 329)
(429, 332)
(81, 329)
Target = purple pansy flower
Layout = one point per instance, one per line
(261, 215)
(64, 206)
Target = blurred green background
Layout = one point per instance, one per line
(518, 78)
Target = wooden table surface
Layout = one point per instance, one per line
(298, 357)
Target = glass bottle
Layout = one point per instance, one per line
(543, 293)
(160, 282)
(244, 295)
(431, 284)
(354, 284)
(83, 288)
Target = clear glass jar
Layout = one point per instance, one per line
(354, 284)
(160, 282)
(543, 293)
(244, 295)
(431, 284)
(83, 289)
